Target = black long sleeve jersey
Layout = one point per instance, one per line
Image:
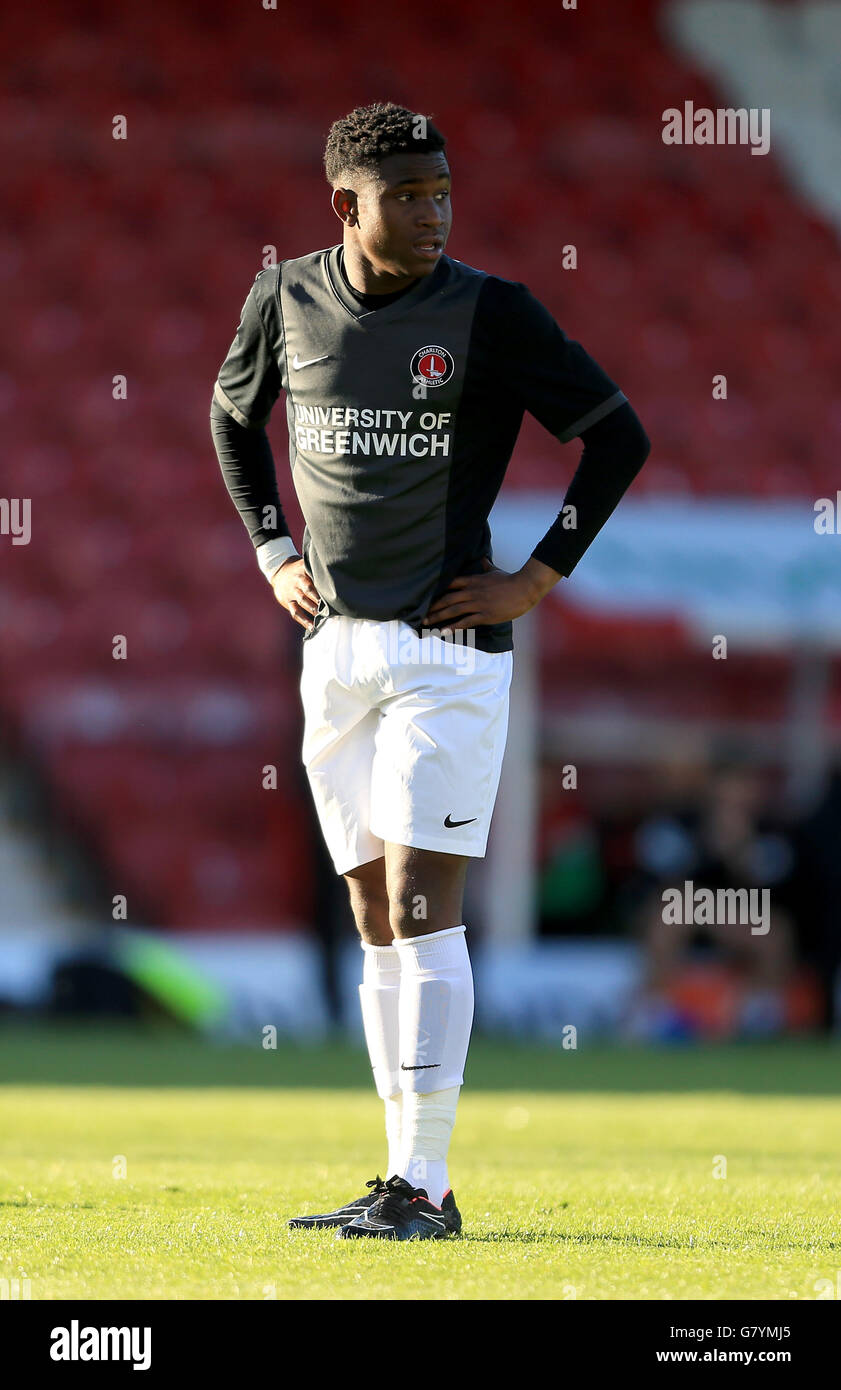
(402, 420)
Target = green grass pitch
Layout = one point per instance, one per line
(583, 1174)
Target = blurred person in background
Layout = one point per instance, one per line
(572, 879)
(723, 977)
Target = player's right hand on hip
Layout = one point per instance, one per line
(295, 591)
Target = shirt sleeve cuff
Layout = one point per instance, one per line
(271, 554)
(558, 552)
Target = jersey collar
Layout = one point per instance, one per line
(369, 318)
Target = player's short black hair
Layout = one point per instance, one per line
(371, 133)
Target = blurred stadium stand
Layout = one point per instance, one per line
(133, 257)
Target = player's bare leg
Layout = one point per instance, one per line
(425, 889)
(369, 902)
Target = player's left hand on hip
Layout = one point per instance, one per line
(474, 600)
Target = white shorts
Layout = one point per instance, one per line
(403, 738)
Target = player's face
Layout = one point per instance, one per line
(402, 215)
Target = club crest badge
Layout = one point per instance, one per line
(432, 366)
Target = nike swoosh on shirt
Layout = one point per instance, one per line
(451, 824)
(298, 364)
(430, 1066)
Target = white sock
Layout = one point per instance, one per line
(436, 1015)
(428, 1121)
(394, 1134)
(379, 995)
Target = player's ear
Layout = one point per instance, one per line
(343, 203)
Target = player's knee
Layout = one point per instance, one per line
(374, 927)
(408, 902)
(413, 912)
(425, 890)
(369, 903)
